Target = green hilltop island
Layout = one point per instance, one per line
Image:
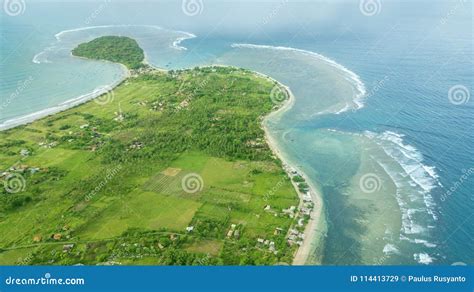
(168, 168)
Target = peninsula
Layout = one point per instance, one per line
(168, 168)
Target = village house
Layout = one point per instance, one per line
(305, 211)
(24, 152)
(290, 211)
(307, 197)
(119, 117)
(278, 231)
(57, 236)
(301, 222)
(237, 234)
(272, 246)
(137, 145)
(67, 247)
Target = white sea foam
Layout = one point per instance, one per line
(409, 226)
(350, 76)
(413, 183)
(390, 249)
(423, 258)
(344, 109)
(424, 242)
(177, 42)
(60, 34)
(41, 56)
(411, 161)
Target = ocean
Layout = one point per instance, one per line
(382, 121)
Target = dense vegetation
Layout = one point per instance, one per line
(112, 48)
(103, 183)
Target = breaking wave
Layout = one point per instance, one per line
(349, 75)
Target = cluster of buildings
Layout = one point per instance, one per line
(265, 243)
(258, 142)
(22, 168)
(48, 145)
(301, 213)
(157, 106)
(136, 145)
(160, 105)
(119, 116)
(291, 211)
(183, 104)
(233, 231)
(142, 70)
(296, 235)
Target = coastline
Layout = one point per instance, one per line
(303, 253)
(358, 101)
(99, 91)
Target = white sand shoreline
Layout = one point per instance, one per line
(65, 105)
(310, 233)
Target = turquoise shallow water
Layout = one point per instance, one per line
(386, 162)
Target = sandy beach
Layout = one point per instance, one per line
(29, 118)
(311, 230)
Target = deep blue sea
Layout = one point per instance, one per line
(382, 121)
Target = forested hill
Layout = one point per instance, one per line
(117, 49)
